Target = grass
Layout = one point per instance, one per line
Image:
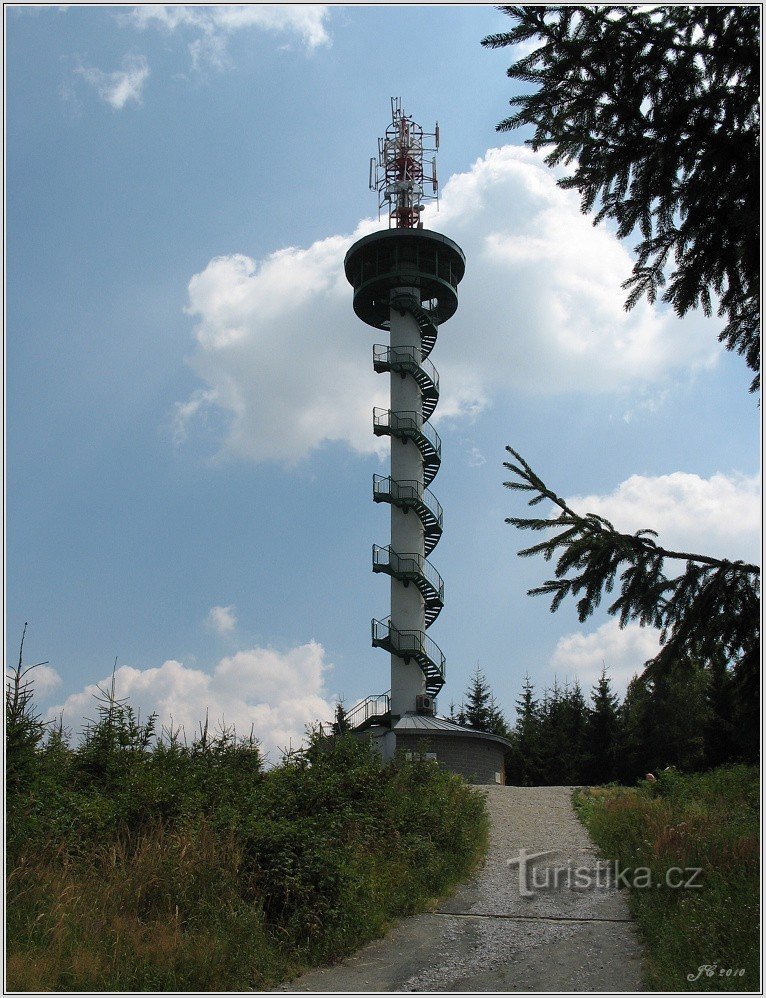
(197, 871)
(685, 821)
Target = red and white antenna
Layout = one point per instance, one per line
(399, 175)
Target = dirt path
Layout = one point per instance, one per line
(518, 927)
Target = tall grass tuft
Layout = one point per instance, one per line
(708, 821)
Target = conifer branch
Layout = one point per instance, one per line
(712, 606)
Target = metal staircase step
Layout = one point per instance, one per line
(415, 496)
(412, 644)
(416, 569)
(410, 426)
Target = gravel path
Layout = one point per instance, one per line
(543, 928)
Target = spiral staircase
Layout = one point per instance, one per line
(412, 427)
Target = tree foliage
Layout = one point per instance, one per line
(138, 862)
(601, 732)
(480, 709)
(688, 719)
(658, 108)
(24, 731)
(710, 609)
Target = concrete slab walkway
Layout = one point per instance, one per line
(552, 922)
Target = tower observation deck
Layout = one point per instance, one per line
(405, 281)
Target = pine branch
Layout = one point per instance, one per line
(712, 605)
(593, 525)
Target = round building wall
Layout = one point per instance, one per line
(477, 759)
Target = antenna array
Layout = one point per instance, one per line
(400, 175)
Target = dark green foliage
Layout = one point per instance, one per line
(708, 821)
(721, 734)
(140, 862)
(708, 611)
(601, 729)
(114, 743)
(480, 709)
(549, 737)
(664, 721)
(573, 721)
(340, 725)
(659, 109)
(23, 728)
(524, 766)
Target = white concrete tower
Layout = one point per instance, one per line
(405, 281)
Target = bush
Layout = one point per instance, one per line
(138, 863)
(708, 821)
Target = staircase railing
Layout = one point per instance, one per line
(415, 644)
(376, 705)
(407, 566)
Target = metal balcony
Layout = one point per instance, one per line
(416, 569)
(412, 495)
(371, 710)
(410, 426)
(411, 644)
(408, 360)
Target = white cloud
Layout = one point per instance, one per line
(283, 356)
(475, 458)
(214, 24)
(277, 693)
(222, 619)
(542, 295)
(622, 651)
(121, 86)
(718, 516)
(184, 413)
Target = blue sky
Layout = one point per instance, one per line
(189, 450)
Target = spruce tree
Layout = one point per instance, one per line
(526, 763)
(496, 723)
(553, 737)
(476, 709)
(722, 733)
(480, 709)
(601, 730)
(658, 109)
(635, 741)
(665, 721)
(340, 724)
(574, 718)
(24, 729)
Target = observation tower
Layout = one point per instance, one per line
(405, 281)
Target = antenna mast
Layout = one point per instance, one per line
(399, 175)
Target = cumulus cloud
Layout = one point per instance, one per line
(718, 516)
(278, 693)
(282, 355)
(222, 619)
(212, 25)
(123, 85)
(623, 651)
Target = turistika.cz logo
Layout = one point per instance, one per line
(599, 876)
